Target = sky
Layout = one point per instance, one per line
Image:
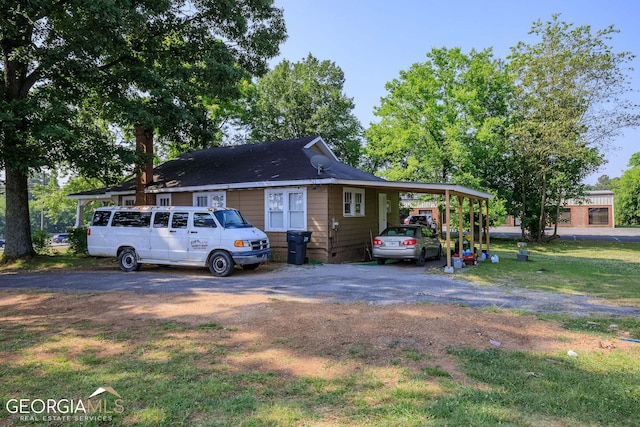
(373, 40)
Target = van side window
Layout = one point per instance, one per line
(101, 218)
(131, 219)
(179, 220)
(203, 220)
(161, 220)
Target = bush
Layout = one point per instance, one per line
(41, 242)
(78, 240)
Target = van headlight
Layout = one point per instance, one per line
(242, 243)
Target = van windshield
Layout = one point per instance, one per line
(231, 219)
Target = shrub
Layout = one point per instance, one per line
(41, 242)
(78, 240)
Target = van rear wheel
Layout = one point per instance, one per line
(220, 264)
(128, 260)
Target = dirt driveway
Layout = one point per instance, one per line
(398, 283)
(297, 319)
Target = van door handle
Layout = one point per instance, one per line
(194, 232)
(172, 231)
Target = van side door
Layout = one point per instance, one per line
(204, 235)
(160, 236)
(177, 240)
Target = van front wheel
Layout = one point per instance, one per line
(128, 260)
(220, 264)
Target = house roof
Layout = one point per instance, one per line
(265, 164)
(293, 162)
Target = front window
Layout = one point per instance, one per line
(211, 199)
(353, 201)
(129, 201)
(163, 199)
(286, 209)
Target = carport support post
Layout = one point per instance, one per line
(460, 225)
(480, 218)
(487, 224)
(447, 210)
(472, 223)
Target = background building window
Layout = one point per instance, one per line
(565, 216)
(285, 209)
(598, 216)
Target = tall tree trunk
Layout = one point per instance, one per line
(18, 238)
(543, 201)
(144, 177)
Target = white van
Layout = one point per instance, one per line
(217, 238)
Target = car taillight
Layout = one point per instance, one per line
(410, 242)
(88, 231)
(377, 242)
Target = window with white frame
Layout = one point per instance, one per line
(211, 199)
(353, 201)
(163, 200)
(285, 209)
(128, 200)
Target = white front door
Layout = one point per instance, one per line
(382, 212)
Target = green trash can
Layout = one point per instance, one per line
(297, 246)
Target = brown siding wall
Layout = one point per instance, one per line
(182, 199)
(352, 241)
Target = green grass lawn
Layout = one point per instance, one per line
(608, 270)
(168, 373)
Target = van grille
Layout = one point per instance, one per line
(257, 245)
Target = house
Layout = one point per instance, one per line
(286, 185)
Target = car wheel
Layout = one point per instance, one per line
(128, 260)
(250, 266)
(381, 261)
(421, 261)
(439, 254)
(220, 264)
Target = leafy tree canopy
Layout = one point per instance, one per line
(627, 194)
(73, 69)
(562, 117)
(442, 120)
(301, 99)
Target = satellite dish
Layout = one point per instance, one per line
(320, 162)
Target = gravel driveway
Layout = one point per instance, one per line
(397, 283)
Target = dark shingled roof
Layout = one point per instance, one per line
(286, 160)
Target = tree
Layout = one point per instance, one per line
(74, 69)
(570, 101)
(443, 120)
(302, 99)
(604, 183)
(627, 194)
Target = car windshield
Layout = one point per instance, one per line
(231, 219)
(400, 231)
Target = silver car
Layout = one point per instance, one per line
(407, 242)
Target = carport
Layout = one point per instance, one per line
(451, 193)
